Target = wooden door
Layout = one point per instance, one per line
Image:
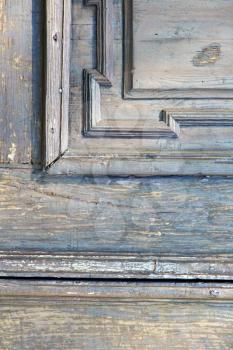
(99, 100)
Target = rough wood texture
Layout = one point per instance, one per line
(22, 24)
(112, 227)
(54, 13)
(57, 78)
(184, 53)
(103, 316)
(94, 79)
(66, 74)
(20, 81)
(205, 119)
(115, 132)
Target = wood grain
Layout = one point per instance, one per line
(20, 81)
(54, 33)
(115, 227)
(112, 133)
(180, 46)
(56, 315)
(66, 74)
(57, 24)
(197, 119)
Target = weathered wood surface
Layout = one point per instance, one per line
(20, 81)
(138, 141)
(103, 316)
(183, 45)
(27, 77)
(58, 25)
(117, 128)
(67, 20)
(112, 227)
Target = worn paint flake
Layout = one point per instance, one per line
(11, 155)
(208, 55)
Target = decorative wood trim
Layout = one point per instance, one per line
(131, 93)
(128, 47)
(94, 79)
(115, 291)
(146, 164)
(93, 265)
(67, 20)
(58, 23)
(192, 119)
(150, 94)
(104, 36)
(102, 76)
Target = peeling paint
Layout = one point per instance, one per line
(208, 55)
(11, 155)
(17, 61)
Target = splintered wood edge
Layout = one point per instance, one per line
(93, 265)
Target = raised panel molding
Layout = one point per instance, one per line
(95, 79)
(145, 130)
(177, 120)
(104, 10)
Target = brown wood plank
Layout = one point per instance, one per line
(66, 74)
(85, 316)
(116, 128)
(183, 45)
(20, 81)
(58, 26)
(54, 33)
(152, 227)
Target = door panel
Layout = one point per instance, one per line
(151, 88)
(179, 48)
(142, 102)
(114, 227)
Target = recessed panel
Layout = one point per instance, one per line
(180, 45)
(152, 88)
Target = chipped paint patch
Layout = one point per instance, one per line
(11, 155)
(17, 62)
(208, 55)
